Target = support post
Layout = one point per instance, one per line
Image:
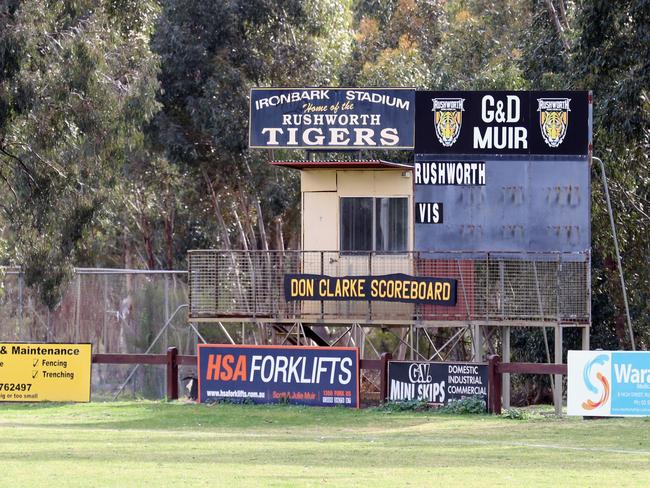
(618, 252)
(383, 377)
(495, 386)
(505, 378)
(557, 391)
(477, 343)
(585, 338)
(172, 373)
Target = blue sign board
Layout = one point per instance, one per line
(502, 205)
(332, 118)
(317, 376)
(608, 383)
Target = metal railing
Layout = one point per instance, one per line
(492, 288)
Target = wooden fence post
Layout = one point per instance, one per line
(172, 373)
(495, 385)
(383, 377)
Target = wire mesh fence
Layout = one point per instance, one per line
(117, 311)
(491, 288)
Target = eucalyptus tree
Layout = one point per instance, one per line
(77, 85)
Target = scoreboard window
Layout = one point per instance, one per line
(374, 224)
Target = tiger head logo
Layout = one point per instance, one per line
(553, 119)
(448, 119)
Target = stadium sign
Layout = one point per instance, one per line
(332, 118)
(526, 123)
(317, 376)
(388, 288)
(436, 383)
(38, 372)
(608, 383)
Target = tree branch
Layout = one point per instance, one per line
(558, 25)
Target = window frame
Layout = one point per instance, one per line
(374, 199)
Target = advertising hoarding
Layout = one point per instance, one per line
(506, 123)
(436, 383)
(38, 372)
(317, 376)
(608, 383)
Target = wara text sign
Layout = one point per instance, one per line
(317, 376)
(437, 383)
(36, 372)
(332, 118)
(608, 383)
(389, 288)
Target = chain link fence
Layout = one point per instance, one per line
(117, 311)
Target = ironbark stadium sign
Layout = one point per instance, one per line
(388, 288)
(332, 118)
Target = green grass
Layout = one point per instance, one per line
(180, 444)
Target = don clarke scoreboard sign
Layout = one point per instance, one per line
(388, 288)
(436, 383)
(332, 118)
(317, 376)
(37, 372)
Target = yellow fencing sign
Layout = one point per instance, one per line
(38, 372)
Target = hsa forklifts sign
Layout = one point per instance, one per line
(318, 376)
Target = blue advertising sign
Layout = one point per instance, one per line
(608, 383)
(317, 376)
(332, 118)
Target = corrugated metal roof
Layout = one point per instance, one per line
(365, 164)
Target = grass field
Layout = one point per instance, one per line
(182, 444)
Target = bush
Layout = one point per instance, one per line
(466, 406)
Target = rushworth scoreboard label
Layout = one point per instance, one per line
(317, 376)
(37, 372)
(608, 383)
(332, 118)
(436, 383)
(525, 123)
(388, 288)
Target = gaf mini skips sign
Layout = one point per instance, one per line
(437, 383)
(608, 383)
(332, 118)
(317, 376)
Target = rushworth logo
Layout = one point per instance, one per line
(603, 388)
(448, 119)
(553, 119)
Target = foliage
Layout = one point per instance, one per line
(466, 406)
(516, 414)
(406, 406)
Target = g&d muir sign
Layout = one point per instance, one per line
(524, 123)
(332, 118)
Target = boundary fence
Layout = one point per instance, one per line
(496, 369)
